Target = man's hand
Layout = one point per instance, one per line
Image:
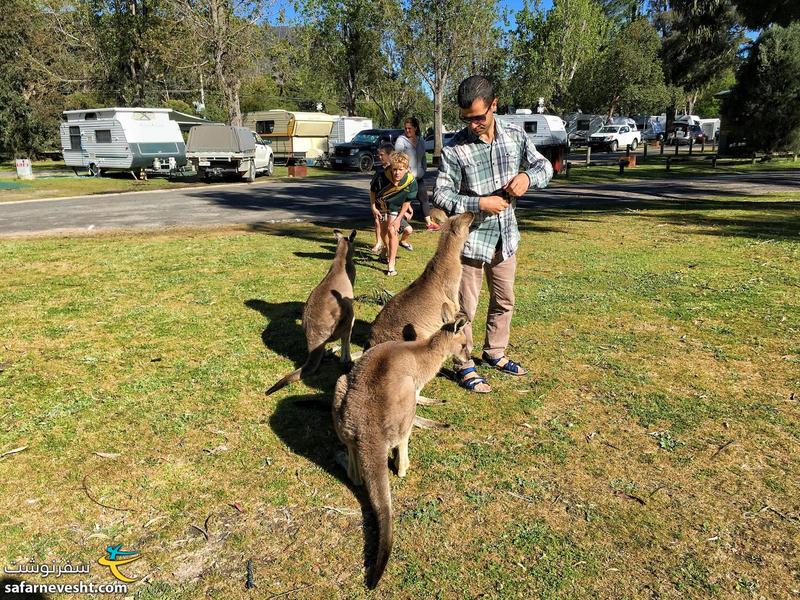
(493, 204)
(519, 185)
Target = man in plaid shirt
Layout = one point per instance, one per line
(482, 170)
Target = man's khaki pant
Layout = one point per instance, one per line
(500, 280)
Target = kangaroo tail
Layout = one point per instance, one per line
(376, 478)
(312, 364)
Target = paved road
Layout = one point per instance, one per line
(325, 200)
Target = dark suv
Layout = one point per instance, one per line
(362, 151)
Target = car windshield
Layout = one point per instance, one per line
(608, 129)
(583, 125)
(367, 137)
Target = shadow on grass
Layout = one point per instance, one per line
(304, 424)
(764, 219)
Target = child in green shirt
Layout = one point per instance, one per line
(391, 193)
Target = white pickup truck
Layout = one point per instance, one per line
(215, 150)
(616, 136)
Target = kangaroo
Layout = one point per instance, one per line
(373, 412)
(328, 313)
(414, 313)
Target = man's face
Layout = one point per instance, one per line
(479, 117)
(398, 172)
(384, 156)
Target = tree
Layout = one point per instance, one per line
(348, 41)
(227, 33)
(764, 105)
(445, 40)
(700, 39)
(547, 49)
(627, 76)
(758, 14)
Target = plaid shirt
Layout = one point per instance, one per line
(470, 168)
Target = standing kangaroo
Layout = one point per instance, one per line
(328, 312)
(373, 412)
(415, 313)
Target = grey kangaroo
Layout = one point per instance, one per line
(373, 412)
(328, 312)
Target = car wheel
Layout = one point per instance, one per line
(634, 144)
(270, 167)
(365, 163)
(251, 172)
(612, 147)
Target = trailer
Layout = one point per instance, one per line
(345, 129)
(217, 150)
(294, 136)
(122, 139)
(547, 132)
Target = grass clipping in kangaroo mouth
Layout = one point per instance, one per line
(374, 409)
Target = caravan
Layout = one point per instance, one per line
(345, 129)
(547, 132)
(125, 139)
(294, 136)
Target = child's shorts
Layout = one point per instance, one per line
(391, 217)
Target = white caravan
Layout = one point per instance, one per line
(345, 129)
(124, 139)
(547, 132)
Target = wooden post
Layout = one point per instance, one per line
(676, 146)
(703, 145)
(662, 147)
(753, 161)
(588, 155)
(644, 150)
(691, 143)
(714, 162)
(669, 162)
(566, 171)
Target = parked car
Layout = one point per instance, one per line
(446, 137)
(651, 126)
(681, 133)
(218, 150)
(362, 151)
(613, 137)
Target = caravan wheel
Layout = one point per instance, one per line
(94, 170)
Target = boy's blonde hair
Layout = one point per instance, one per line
(398, 159)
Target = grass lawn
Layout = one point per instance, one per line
(68, 184)
(651, 453)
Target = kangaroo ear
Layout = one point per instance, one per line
(337, 234)
(447, 313)
(352, 235)
(461, 322)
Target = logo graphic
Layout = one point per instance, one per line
(114, 563)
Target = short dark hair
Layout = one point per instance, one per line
(386, 148)
(475, 87)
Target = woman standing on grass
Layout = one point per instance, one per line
(412, 144)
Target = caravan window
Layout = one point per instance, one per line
(90, 117)
(531, 126)
(102, 136)
(263, 127)
(75, 138)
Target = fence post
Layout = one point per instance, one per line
(714, 162)
(644, 150)
(676, 147)
(703, 145)
(669, 162)
(753, 160)
(569, 166)
(691, 143)
(622, 163)
(588, 155)
(662, 147)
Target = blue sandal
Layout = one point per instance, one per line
(473, 382)
(510, 367)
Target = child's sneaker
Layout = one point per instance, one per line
(407, 246)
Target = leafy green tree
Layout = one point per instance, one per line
(548, 49)
(627, 76)
(443, 41)
(700, 39)
(348, 41)
(707, 104)
(758, 14)
(764, 105)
